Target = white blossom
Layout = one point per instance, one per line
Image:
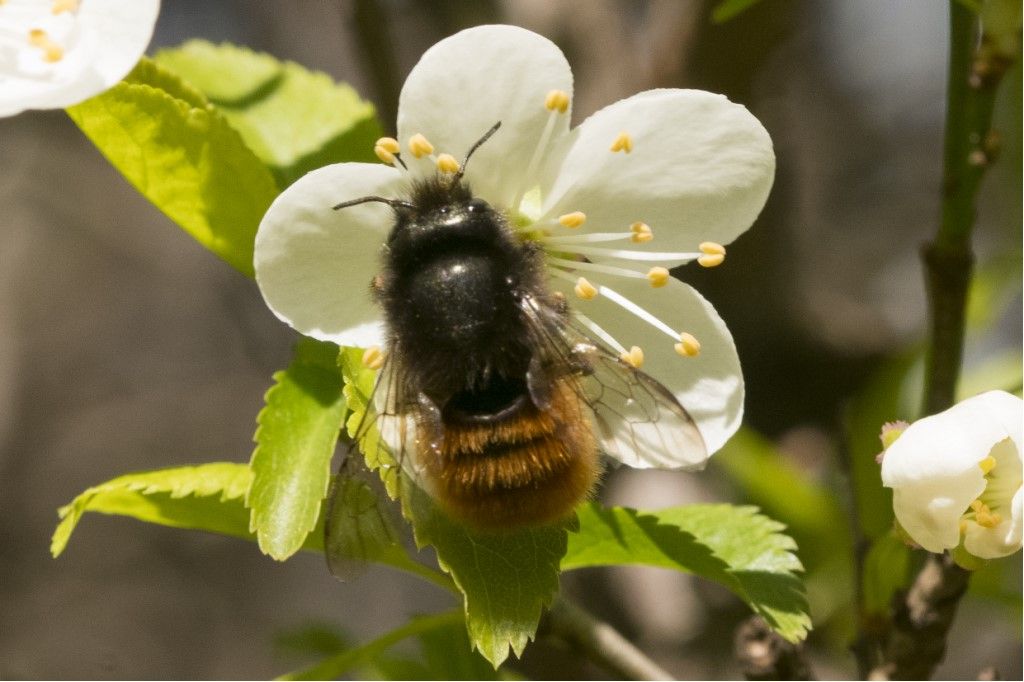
(956, 477)
(650, 182)
(56, 53)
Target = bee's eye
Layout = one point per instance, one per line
(477, 205)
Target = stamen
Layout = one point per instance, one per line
(598, 331)
(572, 220)
(384, 155)
(714, 254)
(629, 254)
(641, 233)
(584, 289)
(419, 146)
(589, 237)
(987, 464)
(634, 357)
(688, 346)
(963, 526)
(573, 265)
(373, 357)
(557, 100)
(622, 143)
(658, 276)
(446, 163)
(643, 314)
(63, 6)
(52, 51)
(389, 144)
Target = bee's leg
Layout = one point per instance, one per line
(429, 425)
(538, 383)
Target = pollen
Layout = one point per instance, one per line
(383, 154)
(641, 233)
(63, 6)
(658, 276)
(446, 163)
(52, 52)
(584, 289)
(634, 357)
(688, 346)
(557, 100)
(622, 143)
(984, 516)
(987, 464)
(572, 220)
(713, 254)
(373, 357)
(420, 146)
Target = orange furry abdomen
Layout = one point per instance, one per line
(528, 470)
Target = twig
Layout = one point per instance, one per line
(765, 655)
(916, 640)
(601, 643)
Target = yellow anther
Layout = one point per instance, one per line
(585, 289)
(641, 233)
(978, 505)
(63, 6)
(572, 220)
(389, 144)
(710, 260)
(688, 346)
(52, 51)
(634, 357)
(987, 464)
(712, 248)
(557, 100)
(622, 143)
(446, 163)
(420, 146)
(383, 154)
(988, 520)
(373, 357)
(658, 276)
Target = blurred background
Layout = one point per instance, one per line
(125, 346)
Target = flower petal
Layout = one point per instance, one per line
(950, 443)
(465, 84)
(112, 36)
(314, 264)
(930, 510)
(1003, 540)
(709, 386)
(700, 169)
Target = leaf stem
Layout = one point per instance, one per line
(916, 639)
(601, 643)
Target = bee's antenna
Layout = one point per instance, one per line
(476, 145)
(393, 203)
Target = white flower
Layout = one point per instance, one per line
(56, 53)
(650, 182)
(956, 477)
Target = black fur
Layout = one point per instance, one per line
(453, 279)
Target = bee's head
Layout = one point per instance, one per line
(441, 214)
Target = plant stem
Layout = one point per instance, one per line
(601, 643)
(916, 638)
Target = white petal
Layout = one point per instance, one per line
(465, 84)
(930, 510)
(314, 264)
(112, 36)
(950, 443)
(1003, 540)
(709, 386)
(700, 169)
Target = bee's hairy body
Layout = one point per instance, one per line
(452, 289)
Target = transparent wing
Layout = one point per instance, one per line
(639, 421)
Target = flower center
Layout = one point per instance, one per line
(35, 37)
(1002, 480)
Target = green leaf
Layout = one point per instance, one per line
(297, 433)
(506, 579)
(203, 497)
(334, 667)
(183, 156)
(730, 9)
(295, 120)
(734, 546)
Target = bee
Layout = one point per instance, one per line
(493, 397)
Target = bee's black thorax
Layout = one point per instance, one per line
(453, 280)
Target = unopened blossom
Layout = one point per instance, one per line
(956, 477)
(56, 53)
(648, 183)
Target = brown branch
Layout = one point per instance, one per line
(765, 655)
